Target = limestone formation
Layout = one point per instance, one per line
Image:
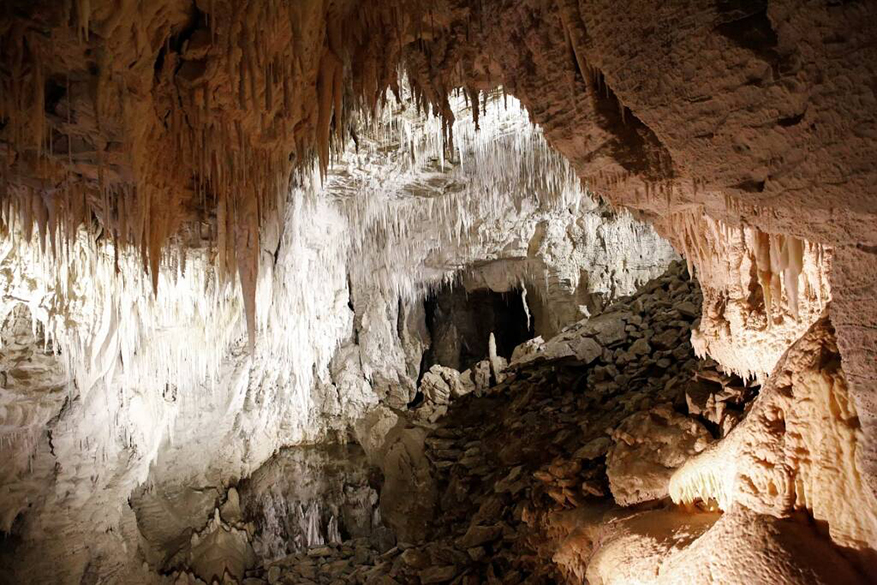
(649, 446)
(397, 291)
(797, 449)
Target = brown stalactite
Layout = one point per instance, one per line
(179, 113)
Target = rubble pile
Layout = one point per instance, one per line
(595, 418)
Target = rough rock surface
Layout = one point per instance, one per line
(523, 482)
(797, 449)
(730, 113)
(649, 446)
(531, 446)
(306, 496)
(665, 547)
(168, 128)
(196, 408)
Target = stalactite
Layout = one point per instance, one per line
(794, 265)
(325, 101)
(83, 14)
(473, 94)
(765, 276)
(223, 155)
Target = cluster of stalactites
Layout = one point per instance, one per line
(776, 256)
(242, 95)
(430, 206)
(779, 258)
(94, 307)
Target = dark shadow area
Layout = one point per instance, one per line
(460, 323)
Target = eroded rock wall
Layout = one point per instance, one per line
(731, 111)
(156, 411)
(174, 122)
(796, 450)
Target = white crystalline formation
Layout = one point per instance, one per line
(163, 387)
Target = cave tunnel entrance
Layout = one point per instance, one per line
(460, 323)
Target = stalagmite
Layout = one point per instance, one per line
(230, 233)
(496, 366)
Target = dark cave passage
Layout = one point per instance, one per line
(460, 323)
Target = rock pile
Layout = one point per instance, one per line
(353, 561)
(595, 418)
(572, 423)
(598, 415)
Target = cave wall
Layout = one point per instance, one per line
(748, 114)
(758, 116)
(768, 87)
(161, 396)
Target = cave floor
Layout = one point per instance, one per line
(520, 469)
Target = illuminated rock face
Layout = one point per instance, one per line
(680, 548)
(166, 393)
(648, 447)
(798, 449)
(149, 148)
(761, 291)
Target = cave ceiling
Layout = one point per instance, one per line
(174, 123)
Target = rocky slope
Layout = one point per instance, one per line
(197, 410)
(563, 470)
(209, 302)
(562, 473)
(562, 430)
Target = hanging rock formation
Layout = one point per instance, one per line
(220, 220)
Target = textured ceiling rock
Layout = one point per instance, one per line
(165, 135)
(613, 107)
(749, 113)
(152, 117)
(729, 110)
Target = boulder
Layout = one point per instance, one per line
(482, 375)
(478, 535)
(608, 328)
(640, 347)
(438, 574)
(593, 449)
(648, 447)
(668, 339)
(527, 351)
(586, 349)
(434, 388)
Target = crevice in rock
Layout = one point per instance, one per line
(460, 322)
(747, 25)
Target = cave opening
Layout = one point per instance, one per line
(460, 322)
(312, 495)
(372, 292)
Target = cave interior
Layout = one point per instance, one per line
(393, 292)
